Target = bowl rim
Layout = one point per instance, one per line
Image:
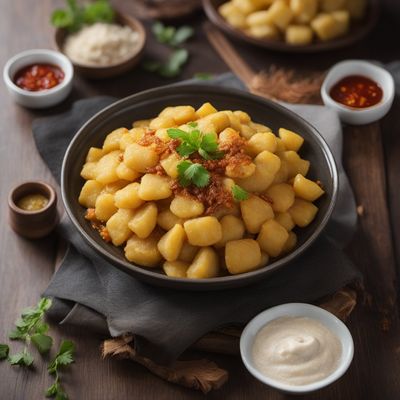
(305, 310)
(63, 62)
(315, 47)
(202, 284)
(346, 65)
(125, 18)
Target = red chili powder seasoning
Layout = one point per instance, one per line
(38, 77)
(357, 91)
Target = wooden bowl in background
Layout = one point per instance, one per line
(102, 72)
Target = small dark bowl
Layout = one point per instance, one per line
(358, 30)
(94, 72)
(148, 104)
(33, 224)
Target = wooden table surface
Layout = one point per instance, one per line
(371, 158)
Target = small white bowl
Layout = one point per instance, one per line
(297, 310)
(356, 116)
(43, 98)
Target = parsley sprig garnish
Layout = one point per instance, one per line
(63, 358)
(204, 143)
(239, 194)
(30, 328)
(192, 173)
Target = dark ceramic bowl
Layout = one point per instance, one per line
(148, 104)
(358, 30)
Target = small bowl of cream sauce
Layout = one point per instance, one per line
(296, 348)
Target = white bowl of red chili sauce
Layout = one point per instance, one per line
(38, 78)
(361, 92)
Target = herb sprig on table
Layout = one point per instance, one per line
(74, 16)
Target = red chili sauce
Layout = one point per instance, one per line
(38, 77)
(357, 91)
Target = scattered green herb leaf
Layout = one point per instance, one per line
(24, 358)
(171, 68)
(182, 34)
(239, 194)
(42, 342)
(190, 173)
(203, 76)
(4, 350)
(170, 35)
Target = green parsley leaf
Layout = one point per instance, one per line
(52, 390)
(98, 11)
(182, 167)
(176, 133)
(61, 18)
(173, 66)
(189, 173)
(209, 143)
(17, 334)
(181, 35)
(63, 357)
(42, 342)
(4, 350)
(239, 194)
(61, 395)
(170, 35)
(23, 358)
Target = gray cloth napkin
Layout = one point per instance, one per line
(91, 293)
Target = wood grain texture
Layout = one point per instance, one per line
(26, 266)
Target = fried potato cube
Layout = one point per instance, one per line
(291, 140)
(244, 118)
(204, 265)
(260, 127)
(272, 238)
(290, 243)
(170, 165)
(175, 269)
(280, 146)
(219, 120)
(237, 19)
(304, 10)
(133, 136)
(232, 229)
(282, 196)
(283, 173)
(255, 212)
(185, 207)
(154, 187)
(295, 164)
(105, 207)
(306, 189)
(286, 220)
(299, 35)
(242, 171)
(144, 220)
(303, 212)
(111, 142)
(207, 108)
(249, 6)
(259, 18)
(113, 187)
(280, 14)
(247, 131)
(89, 193)
(228, 135)
(143, 251)
(126, 173)
(89, 170)
(242, 256)
(128, 197)
(263, 31)
(332, 5)
(325, 26)
(184, 114)
(267, 165)
(203, 231)
(171, 243)
(117, 226)
(166, 219)
(106, 170)
(162, 122)
(264, 260)
(163, 135)
(140, 158)
(142, 123)
(94, 154)
(188, 252)
(260, 142)
(356, 8)
(342, 18)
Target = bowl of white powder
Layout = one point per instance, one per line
(104, 50)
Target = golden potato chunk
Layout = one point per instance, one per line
(304, 10)
(232, 229)
(128, 197)
(144, 220)
(206, 109)
(295, 164)
(188, 252)
(126, 173)
(219, 121)
(306, 189)
(255, 212)
(299, 35)
(143, 251)
(170, 244)
(264, 259)
(203, 231)
(154, 187)
(105, 207)
(290, 139)
(112, 140)
(141, 123)
(280, 14)
(184, 114)
(244, 118)
(175, 269)
(140, 158)
(204, 265)
(113, 187)
(89, 192)
(282, 196)
(166, 219)
(94, 154)
(325, 26)
(162, 122)
(290, 243)
(242, 256)
(261, 141)
(303, 212)
(170, 165)
(272, 238)
(117, 226)
(106, 169)
(342, 17)
(89, 170)
(185, 207)
(263, 31)
(286, 220)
